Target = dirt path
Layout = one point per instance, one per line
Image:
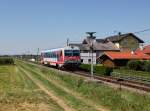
(51, 95)
(76, 95)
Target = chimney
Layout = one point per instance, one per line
(141, 47)
(119, 33)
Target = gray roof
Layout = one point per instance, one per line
(100, 40)
(117, 38)
(109, 46)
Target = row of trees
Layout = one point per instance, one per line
(6, 60)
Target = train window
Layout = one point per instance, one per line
(45, 55)
(68, 52)
(48, 54)
(76, 53)
(52, 55)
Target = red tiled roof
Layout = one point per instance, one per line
(145, 50)
(126, 55)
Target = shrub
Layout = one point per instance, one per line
(146, 66)
(6, 60)
(98, 69)
(135, 65)
(103, 70)
(85, 67)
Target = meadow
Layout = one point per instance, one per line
(99, 94)
(19, 93)
(31, 87)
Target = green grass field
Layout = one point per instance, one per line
(98, 93)
(21, 93)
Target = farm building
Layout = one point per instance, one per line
(145, 50)
(98, 48)
(116, 59)
(126, 42)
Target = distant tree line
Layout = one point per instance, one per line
(27, 57)
(6, 60)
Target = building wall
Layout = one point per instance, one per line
(86, 58)
(108, 63)
(129, 43)
(98, 52)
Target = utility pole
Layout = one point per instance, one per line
(67, 41)
(38, 54)
(91, 47)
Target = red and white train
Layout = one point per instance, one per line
(61, 57)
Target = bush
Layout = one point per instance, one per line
(146, 66)
(103, 70)
(6, 60)
(98, 69)
(135, 65)
(85, 67)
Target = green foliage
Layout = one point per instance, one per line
(98, 69)
(6, 60)
(139, 65)
(85, 67)
(103, 70)
(135, 65)
(146, 66)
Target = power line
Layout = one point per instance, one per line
(142, 31)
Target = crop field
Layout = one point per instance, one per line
(30, 87)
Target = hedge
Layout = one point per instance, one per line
(6, 60)
(135, 65)
(98, 70)
(139, 65)
(146, 66)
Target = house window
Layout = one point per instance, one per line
(89, 60)
(82, 60)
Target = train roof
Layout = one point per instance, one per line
(63, 48)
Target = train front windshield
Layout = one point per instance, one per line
(72, 53)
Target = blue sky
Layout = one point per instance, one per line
(26, 25)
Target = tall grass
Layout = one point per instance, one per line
(17, 90)
(114, 99)
(68, 98)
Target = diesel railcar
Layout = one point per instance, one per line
(61, 57)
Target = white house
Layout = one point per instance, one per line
(86, 58)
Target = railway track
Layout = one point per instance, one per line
(119, 81)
